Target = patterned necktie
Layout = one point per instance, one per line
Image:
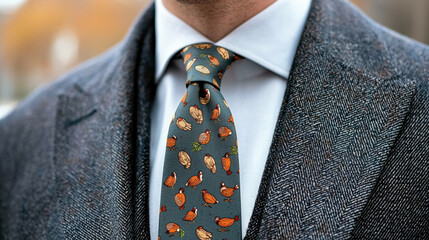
(200, 197)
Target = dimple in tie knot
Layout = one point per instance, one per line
(206, 62)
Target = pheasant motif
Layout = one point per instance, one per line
(195, 155)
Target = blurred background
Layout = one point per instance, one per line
(41, 39)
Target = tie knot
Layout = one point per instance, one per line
(206, 62)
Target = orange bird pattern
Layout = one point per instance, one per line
(227, 192)
(208, 198)
(171, 180)
(172, 229)
(191, 215)
(226, 163)
(204, 137)
(231, 119)
(184, 99)
(171, 142)
(203, 112)
(162, 209)
(195, 180)
(180, 199)
(215, 113)
(224, 133)
(225, 223)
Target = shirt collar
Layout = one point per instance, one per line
(269, 38)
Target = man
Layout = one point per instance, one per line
(341, 155)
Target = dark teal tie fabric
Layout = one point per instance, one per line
(200, 197)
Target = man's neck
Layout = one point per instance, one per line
(215, 18)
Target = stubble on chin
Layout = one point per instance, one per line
(196, 1)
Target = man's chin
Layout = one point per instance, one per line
(196, 1)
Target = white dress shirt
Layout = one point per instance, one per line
(253, 88)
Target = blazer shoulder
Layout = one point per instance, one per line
(27, 133)
(357, 41)
(42, 101)
(402, 49)
(410, 58)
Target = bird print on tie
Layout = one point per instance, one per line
(200, 195)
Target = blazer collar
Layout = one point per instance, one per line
(336, 127)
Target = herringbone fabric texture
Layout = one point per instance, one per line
(199, 197)
(349, 155)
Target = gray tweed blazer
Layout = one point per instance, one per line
(349, 157)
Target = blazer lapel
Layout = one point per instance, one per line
(343, 108)
(101, 162)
